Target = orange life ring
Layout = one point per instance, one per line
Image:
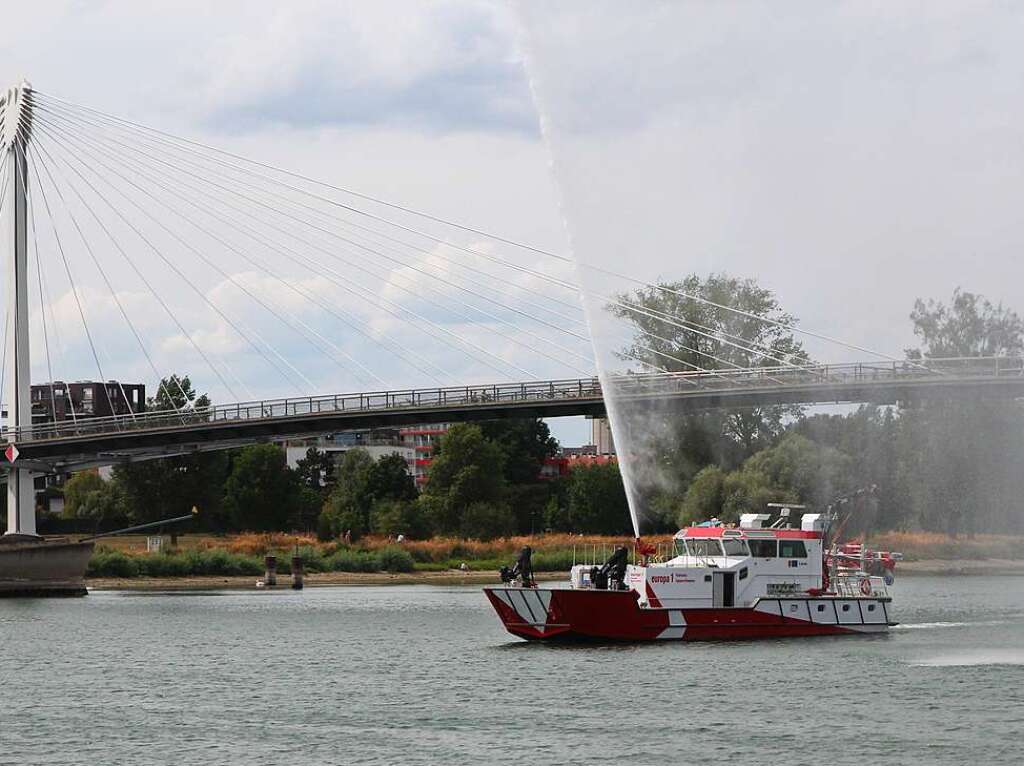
(865, 586)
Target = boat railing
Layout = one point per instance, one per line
(851, 585)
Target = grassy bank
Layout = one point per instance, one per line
(242, 555)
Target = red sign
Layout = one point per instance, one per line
(12, 453)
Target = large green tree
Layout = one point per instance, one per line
(525, 443)
(969, 325)
(467, 468)
(260, 492)
(720, 323)
(157, 489)
(597, 500)
(361, 484)
(960, 459)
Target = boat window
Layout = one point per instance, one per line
(763, 549)
(704, 548)
(735, 547)
(681, 547)
(792, 549)
(743, 573)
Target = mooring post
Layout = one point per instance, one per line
(270, 579)
(296, 572)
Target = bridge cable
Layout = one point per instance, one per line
(646, 311)
(497, 238)
(651, 350)
(356, 265)
(414, 314)
(562, 283)
(113, 294)
(350, 358)
(234, 325)
(67, 271)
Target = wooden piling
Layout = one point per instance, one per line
(296, 572)
(270, 579)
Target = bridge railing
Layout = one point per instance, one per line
(629, 385)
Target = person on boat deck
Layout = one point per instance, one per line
(523, 568)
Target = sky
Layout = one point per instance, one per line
(850, 156)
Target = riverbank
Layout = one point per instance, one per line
(451, 577)
(930, 568)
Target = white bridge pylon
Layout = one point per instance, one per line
(16, 130)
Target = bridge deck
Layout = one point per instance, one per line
(102, 441)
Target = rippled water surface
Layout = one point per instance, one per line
(426, 675)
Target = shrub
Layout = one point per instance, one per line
(347, 560)
(107, 563)
(395, 559)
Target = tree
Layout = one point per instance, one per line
(597, 500)
(487, 521)
(960, 458)
(158, 489)
(176, 393)
(389, 479)
(89, 496)
(717, 323)
(260, 490)
(360, 483)
(702, 335)
(970, 325)
(398, 517)
(466, 469)
(524, 443)
(316, 471)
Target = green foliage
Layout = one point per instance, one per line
(467, 469)
(696, 342)
(107, 563)
(487, 521)
(159, 489)
(524, 444)
(596, 500)
(969, 326)
(177, 393)
(394, 559)
(260, 491)
(88, 496)
(360, 484)
(399, 517)
(316, 471)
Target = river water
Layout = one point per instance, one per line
(426, 675)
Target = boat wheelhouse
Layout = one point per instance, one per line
(718, 582)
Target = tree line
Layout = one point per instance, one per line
(946, 465)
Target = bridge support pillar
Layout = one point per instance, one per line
(17, 125)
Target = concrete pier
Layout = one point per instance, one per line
(32, 566)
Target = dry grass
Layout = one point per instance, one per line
(916, 546)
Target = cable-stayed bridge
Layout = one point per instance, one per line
(126, 246)
(62, 447)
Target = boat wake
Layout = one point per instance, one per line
(973, 659)
(939, 625)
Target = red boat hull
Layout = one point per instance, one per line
(602, 615)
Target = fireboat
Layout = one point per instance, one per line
(761, 579)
